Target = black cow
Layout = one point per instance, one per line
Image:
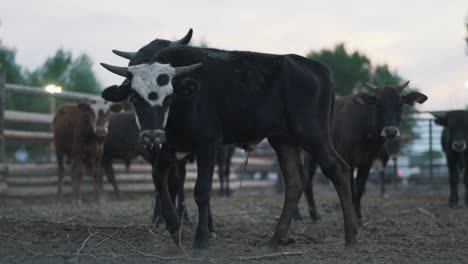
(224, 157)
(454, 140)
(177, 172)
(244, 97)
(362, 125)
(121, 144)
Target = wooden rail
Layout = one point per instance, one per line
(27, 117)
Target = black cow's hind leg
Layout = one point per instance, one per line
(338, 171)
(309, 192)
(291, 164)
(361, 179)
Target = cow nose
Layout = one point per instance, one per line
(390, 132)
(459, 145)
(149, 137)
(101, 132)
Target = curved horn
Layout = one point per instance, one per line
(183, 41)
(122, 71)
(125, 54)
(186, 69)
(369, 85)
(403, 86)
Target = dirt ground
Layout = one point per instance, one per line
(409, 226)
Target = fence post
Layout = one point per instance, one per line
(430, 152)
(3, 162)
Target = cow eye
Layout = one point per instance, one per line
(134, 97)
(162, 79)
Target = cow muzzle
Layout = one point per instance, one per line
(459, 145)
(101, 132)
(390, 132)
(152, 137)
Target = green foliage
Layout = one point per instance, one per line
(60, 69)
(349, 69)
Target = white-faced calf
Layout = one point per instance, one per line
(80, 130)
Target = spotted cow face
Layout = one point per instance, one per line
(98, 114)
(150, 92)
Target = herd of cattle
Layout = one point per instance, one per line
(198, 103)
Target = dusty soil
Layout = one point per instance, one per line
(409, 226)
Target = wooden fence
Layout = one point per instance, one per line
(41, 179)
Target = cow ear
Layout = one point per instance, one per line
(440, 118)
(364, 99)
(186, 87)
(84, 107)
(116, 93)
(412, 97)
(116, 107)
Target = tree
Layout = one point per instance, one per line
(349, 69)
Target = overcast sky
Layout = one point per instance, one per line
(422, 40)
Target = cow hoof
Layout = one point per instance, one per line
(213, 235)
(272, 244)
(317, 221)
(200, 253)
(176, 238)
(359, 223)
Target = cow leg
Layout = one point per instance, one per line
(309, 192)
(220, 175)
(453, 180)
(76, 175)
(292, 167)
(361, 179)
(227, 170)
(465, 177)
(339, 172)
(97, 173)
(127, 165)
(60, 172)
(160, 175)
(158, 218)
(206, 159)
(109, 170)
(181, 208)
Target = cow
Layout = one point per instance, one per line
(223, 158)
(454, 140)
(121, 144)
(194, 99)
(177, 172)
(80, 130)
(362, 125)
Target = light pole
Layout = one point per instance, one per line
(52, 90)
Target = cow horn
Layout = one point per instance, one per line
(403, 86)
(183, 41)
(122, 71)
(125, 54)
(369, 85)
(186, 69)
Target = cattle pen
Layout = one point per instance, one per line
(411, 225)
(38, 177)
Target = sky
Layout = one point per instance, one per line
(422, 40)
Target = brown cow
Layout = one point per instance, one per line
(80, 130)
